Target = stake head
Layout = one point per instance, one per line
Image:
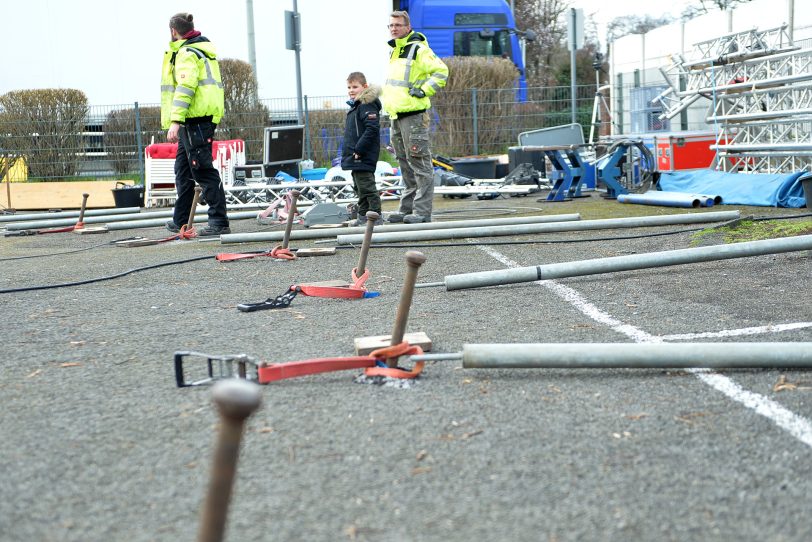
(295, 193)
(372, 216)
(415, 258)
(236, 398)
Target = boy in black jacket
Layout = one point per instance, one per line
(362, 143)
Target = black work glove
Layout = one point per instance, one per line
(416, 92)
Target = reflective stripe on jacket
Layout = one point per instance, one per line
(412, 64)
(191, 86)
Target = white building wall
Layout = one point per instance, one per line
(646, 53)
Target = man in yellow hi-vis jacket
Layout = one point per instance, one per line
(415, 73)
(192, 104)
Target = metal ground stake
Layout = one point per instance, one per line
(414, 260)
(236, 400)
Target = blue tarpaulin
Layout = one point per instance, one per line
(761, 189)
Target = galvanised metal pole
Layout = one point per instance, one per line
(627, 263)
(666, 199)
(252, 51)
(638, 355)
(157, 218)
(573, 51)
(526, 229)
(307, 129)
(158, 222)
(68, 214)
(60, 222)
(475, 120)
(140, 144)
(359, 230)
(298, 53)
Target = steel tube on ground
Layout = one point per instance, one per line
(637, 355)
(327, 233)
(61, 222)
(122, 217)
(627, 263)
(524, 229)
(666, 199)
(67, 214)
(201, 216)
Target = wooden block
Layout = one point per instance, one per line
(327, 226)
(305, 252)
(336, 283)
(140, 242)
(62, 195)
(91, 229)
(365, 345)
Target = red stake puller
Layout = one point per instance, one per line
(247, 368)
(328, 289)
(357, 288)
(281, 252)
(381, 362)
(78, 226)
(280, 209)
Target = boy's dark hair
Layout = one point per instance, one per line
(182, 22)
(357, 77)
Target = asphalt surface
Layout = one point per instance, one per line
(97, 442)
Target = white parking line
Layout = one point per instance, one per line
(797, 426)
(737, 332)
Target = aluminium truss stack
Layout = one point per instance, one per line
(760, 88)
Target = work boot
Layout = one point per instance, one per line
(396, 218)
(171, 226)
(416, 219)
(378, 222)
(212, 231)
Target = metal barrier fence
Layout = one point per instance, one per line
(113, 137)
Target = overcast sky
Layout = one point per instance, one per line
(112, 49)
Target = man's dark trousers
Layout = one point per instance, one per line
(194, 163)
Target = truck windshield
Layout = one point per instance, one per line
(476, 43)
(480, 19)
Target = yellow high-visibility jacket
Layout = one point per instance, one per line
(412, 64)
(191, 86)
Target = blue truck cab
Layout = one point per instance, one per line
(468, 28)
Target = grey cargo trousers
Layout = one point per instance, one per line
(410, 139)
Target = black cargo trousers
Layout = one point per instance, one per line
(193, 164)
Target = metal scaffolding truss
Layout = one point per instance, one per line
(738, 46)
(775, 146)
(769, 103)
(760, 89)
(714, 82)
(715, 53)
(764, 163)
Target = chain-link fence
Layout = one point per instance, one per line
(110, 142)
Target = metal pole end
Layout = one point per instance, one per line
(373, 216)
(415, 258)
(295, 193)
(236, 398)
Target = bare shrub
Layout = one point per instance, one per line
(495, 106)
(326, 132)
(45, 126)
(120, 135)
(245, 117)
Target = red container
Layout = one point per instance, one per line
(684, 150)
